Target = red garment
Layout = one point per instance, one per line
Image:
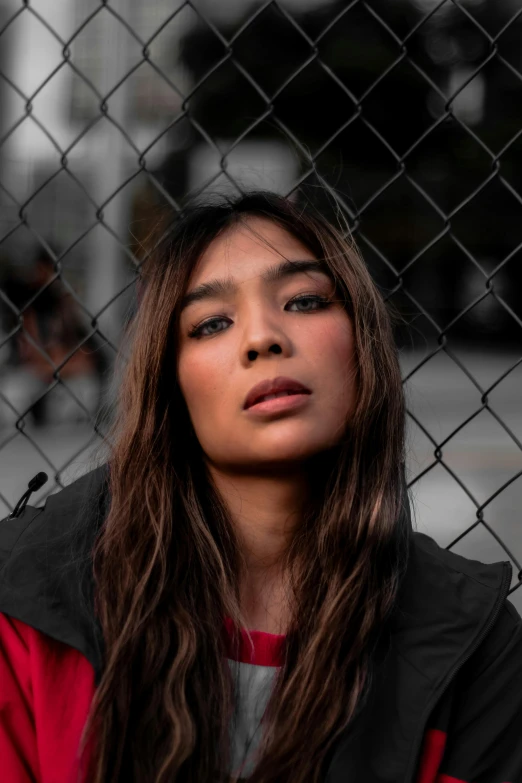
(46, 688)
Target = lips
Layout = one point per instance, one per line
(273, 386)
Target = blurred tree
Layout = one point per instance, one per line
(359, 102)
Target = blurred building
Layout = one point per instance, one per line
(110, 114)
(66, 157)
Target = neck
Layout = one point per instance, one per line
(266, 511)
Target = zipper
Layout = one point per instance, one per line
(502, 595)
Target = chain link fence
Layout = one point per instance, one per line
(403, 114)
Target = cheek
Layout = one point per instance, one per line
(333, 347)
(191, 381)
(334, 352)
(199, 378)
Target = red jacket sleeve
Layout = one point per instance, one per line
(46, 688)
(17, 730)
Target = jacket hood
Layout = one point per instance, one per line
(445, 602)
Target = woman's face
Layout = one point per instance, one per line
(218, 365)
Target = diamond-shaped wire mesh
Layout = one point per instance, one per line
(402, 114)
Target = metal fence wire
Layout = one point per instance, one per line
(403, 115)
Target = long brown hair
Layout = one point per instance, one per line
(166, 560)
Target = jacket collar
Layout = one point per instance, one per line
(446, 605)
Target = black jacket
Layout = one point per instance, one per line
(446, 704)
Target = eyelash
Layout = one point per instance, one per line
(322, 302)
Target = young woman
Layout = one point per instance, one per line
(237, 592)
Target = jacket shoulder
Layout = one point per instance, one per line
(446, 602)
(46, 564)
(430, 560)
(506, 632)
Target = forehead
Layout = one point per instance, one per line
(247, 245)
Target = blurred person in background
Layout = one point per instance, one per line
(52, 326)
(238, 592)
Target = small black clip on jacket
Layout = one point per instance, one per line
(35, 483)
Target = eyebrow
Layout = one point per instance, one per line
(226, 286)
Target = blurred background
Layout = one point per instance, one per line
(403, 114)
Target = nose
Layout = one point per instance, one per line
(262, 327)
(253, 354)
(262, 336)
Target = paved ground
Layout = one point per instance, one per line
(482, 455)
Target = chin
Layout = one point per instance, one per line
(285, 456)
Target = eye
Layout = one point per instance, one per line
(320, 301)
